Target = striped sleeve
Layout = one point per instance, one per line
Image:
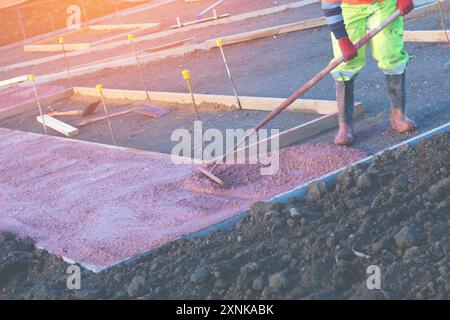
(335, 20)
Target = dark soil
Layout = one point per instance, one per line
(395, 211)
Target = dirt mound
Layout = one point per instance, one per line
(392, 214)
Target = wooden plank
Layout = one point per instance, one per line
(190, 23)
(167, 45)
(303, 105)
(30, 105)
(248, 103)
(304, 131)
(100, 118)
(58, 125)
(127, 26)
(15, 80)
(56, 47)
(98, 45)
(426, 36)
(66, 34)
(72, 113)
(151, 111)
(269, 32)
(314, 127)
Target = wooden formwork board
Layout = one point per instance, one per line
(15, 80)
(56, 47)
(58, 125)
(44, 46)
(299, 133)
(328, 109)
(314, 127)
(191, 23)
(314, 106)
(248, 103)
(124, 27)
(269, 32)
(426, 36)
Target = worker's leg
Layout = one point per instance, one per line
(396, 86)
(355, 18)
(388, 49)
(345, 103)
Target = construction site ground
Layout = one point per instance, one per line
(275, 67)
(401, 224)
(138, 131)
(271, 254)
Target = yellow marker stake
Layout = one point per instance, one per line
(32, 78)
(219, 43)
(130, 38)
(61, 42)
(99, 88)
(187, 76)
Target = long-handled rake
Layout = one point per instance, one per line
(336, 62)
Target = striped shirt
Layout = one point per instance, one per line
(335, 20)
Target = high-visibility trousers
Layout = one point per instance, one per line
(387, 46)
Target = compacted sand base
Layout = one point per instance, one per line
(99, 205)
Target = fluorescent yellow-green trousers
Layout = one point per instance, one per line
(387, 46)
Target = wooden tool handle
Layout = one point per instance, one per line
(301, 91)
(336, 62)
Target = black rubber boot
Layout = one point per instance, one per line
(345, 98)
(396, 86)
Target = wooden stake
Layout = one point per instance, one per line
(100, 91)
(32, 78)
